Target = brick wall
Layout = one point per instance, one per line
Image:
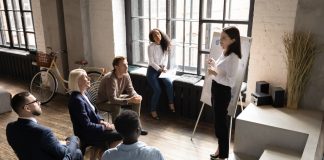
(271, 20)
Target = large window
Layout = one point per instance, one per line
(16, 25)
(189, 23)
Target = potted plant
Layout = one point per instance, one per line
(300, 55)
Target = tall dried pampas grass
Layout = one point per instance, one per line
(300, 50)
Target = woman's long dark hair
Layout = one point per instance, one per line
(235, 47)
(165, 40)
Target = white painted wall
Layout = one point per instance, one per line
(102, 36)
(86, 33)
(38, 25)
(309, 18)
(267, 62)
(119, 27)
(74, 31)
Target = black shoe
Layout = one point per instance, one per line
(213, 156)
(144, 132)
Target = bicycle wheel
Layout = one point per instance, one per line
(94, 76)
(43, 86)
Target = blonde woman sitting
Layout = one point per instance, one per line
(87, 124)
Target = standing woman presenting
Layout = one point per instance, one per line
(158, 53)
(223, 72)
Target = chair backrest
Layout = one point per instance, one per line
(93, 92)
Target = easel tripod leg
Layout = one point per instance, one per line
(193, 132)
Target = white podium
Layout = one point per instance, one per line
(259, 128)
(5, 98)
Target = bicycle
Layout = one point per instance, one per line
(44, 83)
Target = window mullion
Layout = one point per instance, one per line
(190, 32)
(184, 36)
(168, 17)
(150, 16)
(201, 6)
(32, 18)
(15, 21)
(157, 14)
(167, 23)
(8, 23)
(23, 24)
(224, 12)
(249, 31)
(208, 26)
(229, 8)
(141, 27)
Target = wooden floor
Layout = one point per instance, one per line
(171, 134)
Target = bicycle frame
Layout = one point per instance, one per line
(44, 83)
(54, 68)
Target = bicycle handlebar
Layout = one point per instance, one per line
(52, 53)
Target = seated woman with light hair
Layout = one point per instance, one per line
(87, 124)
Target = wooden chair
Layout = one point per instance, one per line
(92, 95)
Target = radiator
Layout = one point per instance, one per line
(17, 66)
(187, 97)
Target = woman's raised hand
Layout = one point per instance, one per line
(211, 62)
(212, 70)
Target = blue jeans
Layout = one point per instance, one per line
(153, 80)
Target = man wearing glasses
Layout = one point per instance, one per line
(31, 140)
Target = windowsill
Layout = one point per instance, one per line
(14, 51)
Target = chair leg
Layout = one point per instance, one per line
(108, 117)
(241, 102)
(95, 153)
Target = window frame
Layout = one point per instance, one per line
(24, 30)
(201, 21)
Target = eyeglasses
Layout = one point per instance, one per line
(35, 101)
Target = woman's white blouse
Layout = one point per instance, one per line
(91, 106)
(156, 56)
(226, 68)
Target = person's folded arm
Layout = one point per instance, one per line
(111, 89)
(53, 147)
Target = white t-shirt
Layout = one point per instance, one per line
(156, 56)
(226, 68)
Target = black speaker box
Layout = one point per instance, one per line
(260, 99)
(262, 87)
(278, 97)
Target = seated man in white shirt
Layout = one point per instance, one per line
(128, 126)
